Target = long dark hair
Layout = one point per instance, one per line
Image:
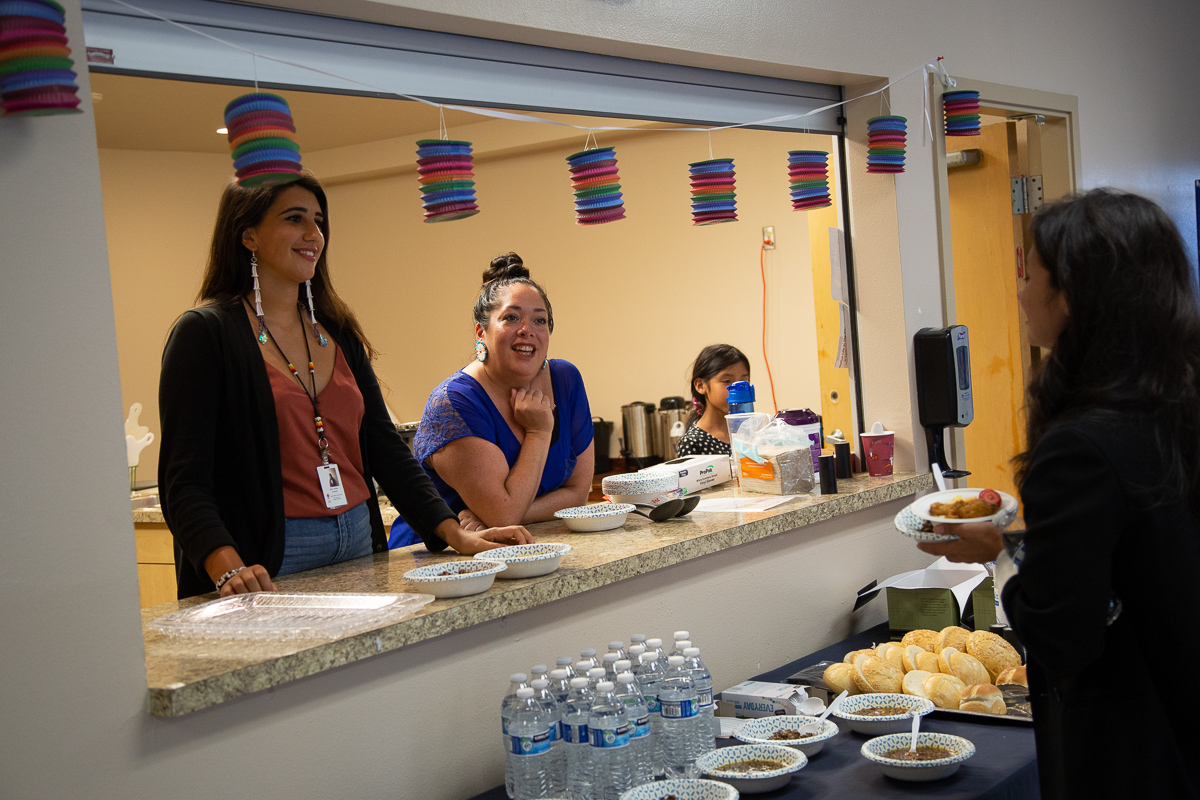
(227, 276)
(502, 272)
(707, 365)
(1132, 338)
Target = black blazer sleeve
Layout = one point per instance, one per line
(189, 398)
(391, 462)
(1075, 510)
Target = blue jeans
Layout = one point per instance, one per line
(311, 542)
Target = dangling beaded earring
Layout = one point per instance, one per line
(545, 363)
(312, 314)
(481, 352)
(262, 320)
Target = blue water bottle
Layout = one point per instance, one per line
(741, 397)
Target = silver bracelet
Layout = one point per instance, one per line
(225, 578)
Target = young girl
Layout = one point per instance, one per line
(717, 366)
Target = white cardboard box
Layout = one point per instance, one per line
(696, 472)
(761, 699)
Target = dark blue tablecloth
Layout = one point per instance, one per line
(1004, 766)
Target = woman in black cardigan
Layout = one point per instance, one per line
(1105, 599)
(223, 478)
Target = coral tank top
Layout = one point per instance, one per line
(342, 411)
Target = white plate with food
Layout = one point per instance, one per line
(956, 506)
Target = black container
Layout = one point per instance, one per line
(828, 475)
(841, 452)
(602, 433)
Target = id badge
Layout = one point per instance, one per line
(331, 485)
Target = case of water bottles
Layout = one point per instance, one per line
(592, 728)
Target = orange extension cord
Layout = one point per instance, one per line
(762, 255)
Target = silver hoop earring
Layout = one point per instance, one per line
(481, 351)
(262, 320)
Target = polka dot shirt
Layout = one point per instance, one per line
(696, 442)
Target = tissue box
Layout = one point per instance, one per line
(787, 471)
(751, 699)
(696, 472)
(934, 598)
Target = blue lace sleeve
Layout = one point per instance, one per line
(440, 423)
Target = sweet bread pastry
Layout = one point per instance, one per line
(916, 658)
(874, 674)
(983, 698)
(968, 669)
(1014, 676)
(994, 651)
(944, 690)
(837, 678)
(925, 639)
(853, 654)
(953, 636)
(914, 682)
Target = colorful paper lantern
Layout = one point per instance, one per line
(808, 171)
(445, 169)
(886, 140)
(962, 113)
(36, 75)
(262, 140)
(597, 186)
(713, 195)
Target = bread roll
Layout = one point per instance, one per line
(968, 669)
(838, 678)
(925, 639)
(853, 654)
(944, 690)
(914, 681)
(1013, 677)
(953, 636)
(994, 651)
(984, 698)
(943, 659)
(890, 651)
(875, 674)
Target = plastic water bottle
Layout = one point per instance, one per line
(588, 654)
(706, 732)
(679, 646)
(655, 646)
(594, 676)
(516, 682)
(650, 677)
(612, 767)
(638, 715)
(741, 398)
(560, 684)
(565, 662)
(529, 737)
(637, 638)
(576, 740)
(679, 636)
(635, 655)
(679, 708)
(610, 671)
(557, 775)
(581, 669)
(618, 648)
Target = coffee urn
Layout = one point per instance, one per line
(669, 426)
(638, 421)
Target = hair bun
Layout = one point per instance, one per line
(508, 265)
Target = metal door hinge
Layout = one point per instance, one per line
(1026, 194)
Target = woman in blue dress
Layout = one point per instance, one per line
(509, 436)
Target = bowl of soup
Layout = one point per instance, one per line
(456, 578)
(938, 755)
(882, 712)
(785, 730)
(752, 768)
(681, 789)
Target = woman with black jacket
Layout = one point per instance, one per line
(1104, 599)
(274, 429)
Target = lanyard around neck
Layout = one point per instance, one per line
(322, 442)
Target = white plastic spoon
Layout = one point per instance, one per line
(815, 727)
(912, 748)
(937, 476)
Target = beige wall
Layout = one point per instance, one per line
(634, 301)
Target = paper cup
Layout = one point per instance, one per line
(879, 447)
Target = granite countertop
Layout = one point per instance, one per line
(185, 675)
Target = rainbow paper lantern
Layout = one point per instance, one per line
(886, 140)
(962, 113)
(445, 169)
(713, 196)
(808, 171)
(597, 186)
(36, 76)
(262, 140)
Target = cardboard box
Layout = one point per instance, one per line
(750, 699)
(696, 472)
(934, 598)
(983, 603)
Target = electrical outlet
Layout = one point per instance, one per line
(769, 237)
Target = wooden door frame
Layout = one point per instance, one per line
(1015, 99)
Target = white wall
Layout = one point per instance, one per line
(73, 722)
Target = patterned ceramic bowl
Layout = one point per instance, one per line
(640, 483)
(527, 560)
(850, 707)
(456, 578)
(715, 764)
(758, 731)
(961, 749)
(596, 517)
(683, 789)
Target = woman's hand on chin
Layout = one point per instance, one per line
(533, 411)
(977, 542)
(470, 542)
